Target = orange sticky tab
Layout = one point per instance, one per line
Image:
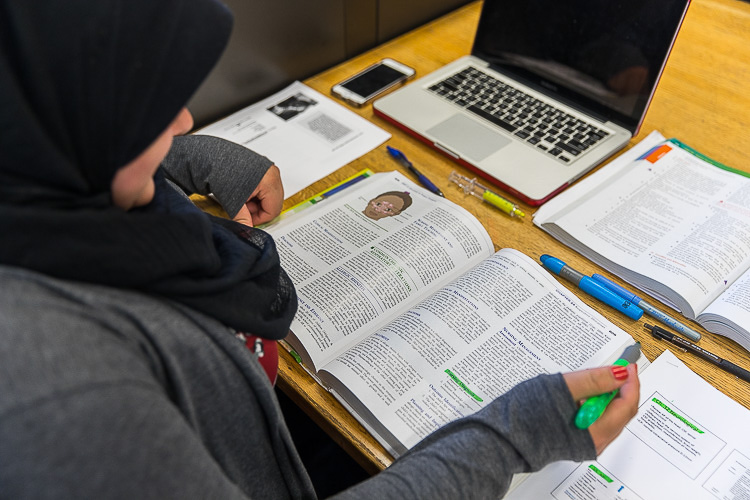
(657, 153)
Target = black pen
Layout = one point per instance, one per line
(661, 333)
(401, 158)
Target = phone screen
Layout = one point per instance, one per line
(372, 80)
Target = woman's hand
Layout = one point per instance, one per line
(586, 383)
(265, 203)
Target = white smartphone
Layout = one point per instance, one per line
(372, 81)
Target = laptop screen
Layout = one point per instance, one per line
(603, 56)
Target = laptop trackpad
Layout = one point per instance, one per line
(468, 138)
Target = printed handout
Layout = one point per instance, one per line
(688, 440)
(306, 134)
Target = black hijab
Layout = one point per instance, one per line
(85, 87)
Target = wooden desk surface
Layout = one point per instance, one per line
(703, 99)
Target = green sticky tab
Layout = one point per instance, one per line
(705, 158)
(295, 356)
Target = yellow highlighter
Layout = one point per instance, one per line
(472, 187)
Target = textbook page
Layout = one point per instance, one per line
(688, 440)
(552, 209)
(504, 321)
(362, 256)
(671, 223)
(306, 134)
(734, 304)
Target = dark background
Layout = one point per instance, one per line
(275, 43)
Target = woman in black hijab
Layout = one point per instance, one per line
(87, 87)
(107, 263)
(122, 374)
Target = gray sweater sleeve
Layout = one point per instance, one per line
(204, 164)
(476, 457)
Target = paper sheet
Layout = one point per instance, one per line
(306, 134)
(688, 441)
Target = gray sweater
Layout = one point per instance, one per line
(107, 393)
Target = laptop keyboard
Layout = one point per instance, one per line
(540, 124)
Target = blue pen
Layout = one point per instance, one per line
(401, 158)
(647, 308)
(591, 287)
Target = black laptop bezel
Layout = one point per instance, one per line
(570, 97)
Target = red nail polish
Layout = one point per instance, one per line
(620, 372)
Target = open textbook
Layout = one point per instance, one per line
(411, 319)
(688, 441)
(671, 222)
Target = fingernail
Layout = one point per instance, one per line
(620, 372)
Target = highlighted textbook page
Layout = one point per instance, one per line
(503, 322)
(408, 315)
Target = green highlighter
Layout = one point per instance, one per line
(593, 407)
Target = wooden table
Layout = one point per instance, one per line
(703, 99)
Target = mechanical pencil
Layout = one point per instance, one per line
(661, 333)
(647, 308)
(471, 186)
(401, 158)
(591, 287)
(593, 407)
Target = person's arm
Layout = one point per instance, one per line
(203, 164)
(522, 431)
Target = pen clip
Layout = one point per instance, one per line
(658, 332)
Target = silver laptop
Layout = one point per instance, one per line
(552, 88)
